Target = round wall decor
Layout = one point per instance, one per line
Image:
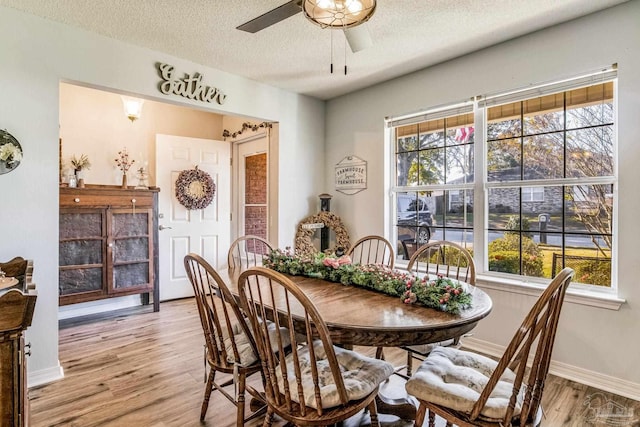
(195, 189)
(10, 152)
(303, 244)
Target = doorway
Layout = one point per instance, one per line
(92, 122)
(252, 178)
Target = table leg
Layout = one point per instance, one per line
(393, 399)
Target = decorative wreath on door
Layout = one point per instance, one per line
(195, 189)
(303, 245)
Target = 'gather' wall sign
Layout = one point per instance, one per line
(190, 86)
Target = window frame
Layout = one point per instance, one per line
(437, 113)
(481, 185)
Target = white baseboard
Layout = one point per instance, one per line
(45, 376)
(600, 381)
(100, 306)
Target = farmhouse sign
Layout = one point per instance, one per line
(351, 175)
(190, 86)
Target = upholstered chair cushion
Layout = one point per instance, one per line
(247, 356)
(361, 375)
(454, 379)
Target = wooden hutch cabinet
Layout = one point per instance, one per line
(17, 304)
(108, 243)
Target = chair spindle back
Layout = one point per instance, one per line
(538, 331)
(248, 251)
(446, 258)
(372, 250)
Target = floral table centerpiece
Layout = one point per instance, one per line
(441, 293)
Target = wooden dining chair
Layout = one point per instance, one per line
(317, 383)
(372, 250)
(467, 389)
(229, 345)
(450, 260)
(248, 251)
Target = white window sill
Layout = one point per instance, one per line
(600, 299)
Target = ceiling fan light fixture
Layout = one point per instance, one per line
(338, 13)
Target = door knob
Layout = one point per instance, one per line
(162, 227)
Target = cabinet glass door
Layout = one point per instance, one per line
(131, 250)
(81, 251)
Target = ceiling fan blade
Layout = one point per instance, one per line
(359, 37)
(274, 16)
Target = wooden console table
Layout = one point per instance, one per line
(16, 311)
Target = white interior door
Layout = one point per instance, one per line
(205, 232)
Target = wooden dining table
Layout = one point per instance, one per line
(358, 316)
(362, 317)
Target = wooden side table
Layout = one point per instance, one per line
(16, 312)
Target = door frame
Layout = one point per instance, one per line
(237, 169)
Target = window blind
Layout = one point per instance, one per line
(543, 90)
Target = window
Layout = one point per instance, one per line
(434, 159)
(533, 194)
(548, 178)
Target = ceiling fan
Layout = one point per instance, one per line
(348, 15)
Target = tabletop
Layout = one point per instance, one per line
(357, 316)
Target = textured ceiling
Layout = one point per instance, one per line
(294, 54)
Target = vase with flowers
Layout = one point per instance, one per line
(124, 163)
(80, 164)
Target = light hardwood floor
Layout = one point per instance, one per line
(139, 368)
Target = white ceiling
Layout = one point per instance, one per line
(294, 54)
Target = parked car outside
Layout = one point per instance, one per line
(413, 212)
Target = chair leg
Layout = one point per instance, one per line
(420, 415)
(373, 409)
(240, 402)
(409, 360)
(268, 419)
(379, 353)
(207, 394)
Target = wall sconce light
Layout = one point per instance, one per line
(132, 107)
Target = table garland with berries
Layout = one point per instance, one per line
(439, 292)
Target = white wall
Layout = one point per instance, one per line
(35, 55)
(593, 339)
(92, 122)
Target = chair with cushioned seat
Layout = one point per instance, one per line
(248, 251)
(316, 384)
(467, 389)
(372, 250)
(450, 260)
(229, 345)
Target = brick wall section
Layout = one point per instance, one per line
(256, 193)
(255, 221)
